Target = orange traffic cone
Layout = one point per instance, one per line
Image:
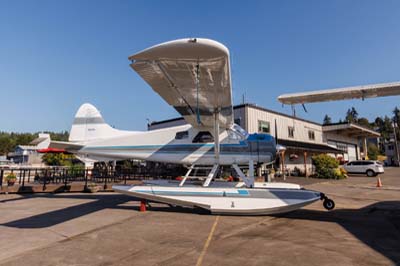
(142, 205)
(378, 182)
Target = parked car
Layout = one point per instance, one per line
(370, 168)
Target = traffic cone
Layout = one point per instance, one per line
(142, 206)
(378, 182)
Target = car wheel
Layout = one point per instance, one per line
(370, 173)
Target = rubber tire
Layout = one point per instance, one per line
(370, 173)
(329, 204)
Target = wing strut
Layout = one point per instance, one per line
(197, 91)
(216, 136)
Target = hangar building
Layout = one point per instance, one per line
(302, 138)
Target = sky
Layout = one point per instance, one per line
(57, 55)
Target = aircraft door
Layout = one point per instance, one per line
(260, 146)
(255, 149)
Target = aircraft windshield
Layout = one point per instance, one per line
(240, 131)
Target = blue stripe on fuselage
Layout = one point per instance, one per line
(200, 145)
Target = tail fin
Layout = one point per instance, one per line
(89, 125)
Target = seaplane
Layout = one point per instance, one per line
(193, 75)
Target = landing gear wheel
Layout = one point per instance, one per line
(329, 204)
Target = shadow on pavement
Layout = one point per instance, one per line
(377, 225)
(62, 215)
(99, 202)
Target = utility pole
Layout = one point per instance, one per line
(395, 143)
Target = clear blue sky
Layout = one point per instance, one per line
(56, 55)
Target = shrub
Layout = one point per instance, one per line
(11, 176)
(327, 167)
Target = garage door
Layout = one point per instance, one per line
(352, 152)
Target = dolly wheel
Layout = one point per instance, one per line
(329, 204)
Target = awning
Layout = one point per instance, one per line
(306, 146)
(352, 130)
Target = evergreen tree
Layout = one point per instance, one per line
(386, 129)
(364, 122)
(396, 120)
(396, 115)
(351, 115)
(327, 120)
(378, 122)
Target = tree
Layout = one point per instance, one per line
(396, 120)
(396, 115)
(8, 141)
(351, 115)
(57, 159)
(327, 120)
(373, 151)
(378, 122)
(386, 129)
(364, 122)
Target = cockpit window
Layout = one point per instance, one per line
(240, 131)
(203, 137)
(233, 135)
(182, 135)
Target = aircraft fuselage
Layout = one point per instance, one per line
(185, 145)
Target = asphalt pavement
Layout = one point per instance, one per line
(108, 229)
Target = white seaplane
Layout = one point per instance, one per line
(193, 75)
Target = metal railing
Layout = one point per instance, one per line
(28, 177)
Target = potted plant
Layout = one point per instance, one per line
(11, 178)
(92, 188)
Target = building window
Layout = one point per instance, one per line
(182, 135)
(263, 127)
(342, 147)
(203, 137)
(311, 135)
(291, 132)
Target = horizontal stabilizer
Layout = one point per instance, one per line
(65, 145)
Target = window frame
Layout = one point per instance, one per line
(260, 122)
(311, 134)
(291, 130)
(185, 135)
(200, 134)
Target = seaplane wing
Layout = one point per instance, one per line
(358, 92)
(192, 75)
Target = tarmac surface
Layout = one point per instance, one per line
(108, 229)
